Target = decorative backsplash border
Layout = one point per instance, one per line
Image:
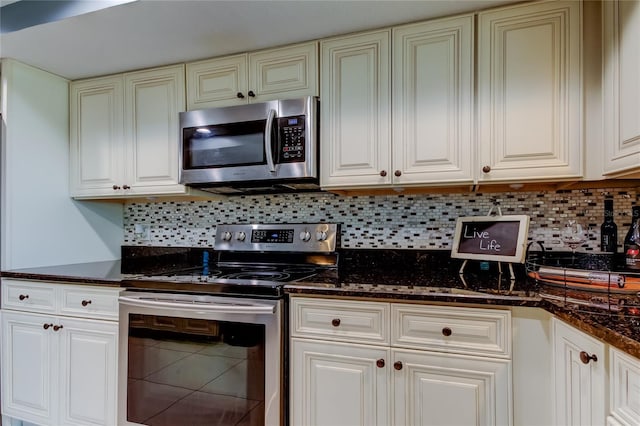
(386, 221)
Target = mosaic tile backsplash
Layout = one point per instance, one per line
(389, 222)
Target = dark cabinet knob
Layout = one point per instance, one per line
(380, 363)
(86, 302)
(397, 365)
(398, 173)
(57, 327)
(486, 169)
(446, 331)
(46, 326)
(240, 95)
(585, 357)
(335, 322)
(126, 187)
(383, 173)
(115, 187)
(251, 94)
(23, 296)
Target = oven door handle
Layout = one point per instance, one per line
(268, 151)
(228, 308)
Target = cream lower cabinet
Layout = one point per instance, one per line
(375, 363)
(124, 134)
(624, 388)
(59, 369)
(530, 92)
(283, 73)
(580, 371)
(621, 86)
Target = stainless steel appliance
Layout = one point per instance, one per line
(262, 147)
(206, 345)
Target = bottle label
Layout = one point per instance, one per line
(632, 257)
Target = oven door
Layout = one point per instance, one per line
(199, 360)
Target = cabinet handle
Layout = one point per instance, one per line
(335, 322)
(398, 173)
(57, 327)
(446, 331)
(115, 187)
(126, 187)
(383, 173)
(486, 169)
(86, 302)
(240, 95)
(397, 365)
(380, 363)
(253, 95)
(585, 357)
(23, 296)
(46, 326)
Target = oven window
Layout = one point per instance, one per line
(225, 145)
(195, 372)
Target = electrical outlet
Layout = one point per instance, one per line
(142, 231)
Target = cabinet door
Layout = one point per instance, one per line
(88, 372)
(529, 92)
(446, 389)
(339, 384)
(217, 82)
(621, 103)
(580, 381)
(96, 132)
(356, 118)
(433, 102)
(624, 372)
(28, 354)
(153, 100)
(286, 73)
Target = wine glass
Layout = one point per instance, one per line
(573, 236)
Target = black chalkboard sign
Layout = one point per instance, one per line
(497, 238)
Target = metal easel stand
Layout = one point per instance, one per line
(511, 274)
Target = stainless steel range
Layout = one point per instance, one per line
(205, 345)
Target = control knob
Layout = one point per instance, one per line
(226, 236)
(321, 235)
(240, 236)
(305, 236)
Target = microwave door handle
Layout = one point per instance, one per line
(267, 140)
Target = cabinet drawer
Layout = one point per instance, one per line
(340, 320)
(28, 296)
(89, 302)
(473, 331)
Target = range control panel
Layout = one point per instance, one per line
(294, 237)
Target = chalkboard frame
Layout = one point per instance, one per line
(458, 251)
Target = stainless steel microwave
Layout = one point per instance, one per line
(253, 148)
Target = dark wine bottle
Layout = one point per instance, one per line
(632, 241)
(608, 230)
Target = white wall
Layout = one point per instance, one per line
(41, 224)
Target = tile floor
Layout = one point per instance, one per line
(180, 383)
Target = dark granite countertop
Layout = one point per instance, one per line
(107, 273)
(390, 275)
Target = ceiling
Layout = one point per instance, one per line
(149, 33)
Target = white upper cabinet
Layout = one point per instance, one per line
(124, 134)
(282, 73)
(398, 120)
(153, 100)
(530, 92)
(355, 106)
(621, 86)
(433, 102)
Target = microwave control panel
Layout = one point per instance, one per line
(292, 139)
